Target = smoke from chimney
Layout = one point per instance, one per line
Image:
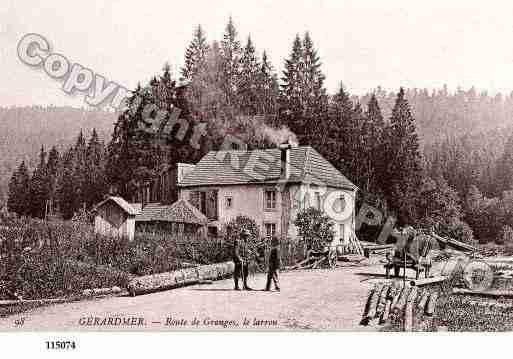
(279, 136)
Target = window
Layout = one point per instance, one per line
(342, 232)
(212, 231)
(228, 202)
(340, 204)
(270, 230)
(318, 200)
(270, 199)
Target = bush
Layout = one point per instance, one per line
(505, 235)
(234, 229)
(461, 231)
(315, 227)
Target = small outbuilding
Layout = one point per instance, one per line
(179, 218)
(115, 217)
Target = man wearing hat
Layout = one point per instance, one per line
(241, 260)
(274, 265)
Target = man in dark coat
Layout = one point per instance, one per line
(274, 265)
(241, 259)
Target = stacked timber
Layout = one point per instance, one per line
(179, 278)
(401, 302)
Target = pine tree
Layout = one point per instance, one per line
(52, 172)
(504, 176)
(303, 103)
(80, 171)
(19, 191)
(39, 188)
(268, 89)
(374, 136)
(313, 91)
(248, 80)
(338, 132)
(292, 81)
(404, 162)
(195, 55)
(96, 186)
(231, 54)
(66, 187)
(357, 155)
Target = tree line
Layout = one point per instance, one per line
(68, 182)
(373, 139)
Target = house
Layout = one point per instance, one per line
(115, 217)
(270, 186)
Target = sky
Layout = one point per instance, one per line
(364, 44)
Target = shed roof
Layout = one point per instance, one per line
(234, 167)
(179, 212)
(149, 212)
(124, 205)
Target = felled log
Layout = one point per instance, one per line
(412, 295)
(373, 247)
(430, 309)
(425, 281)
(395, 299)
(101, 291)
(317, 262)
(489, 293)
(423, 301)
(401, 301)
(371, 314)
(7, 303)
(454, 243)
(408, 317)
(490, 304)
(382, 300)
(178, 278)
(386, 312)
(365, 315)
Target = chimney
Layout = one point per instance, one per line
(182, 170)
(285, 160)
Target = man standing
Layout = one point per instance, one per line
(274, 265)
(241, 260)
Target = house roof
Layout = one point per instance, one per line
(125, 206)
(261, 166)
(179, 212)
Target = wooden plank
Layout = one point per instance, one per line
(426, 281)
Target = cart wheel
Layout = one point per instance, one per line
(332, 258)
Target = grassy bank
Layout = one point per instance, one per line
(61, 258)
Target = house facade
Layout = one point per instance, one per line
(271, 187)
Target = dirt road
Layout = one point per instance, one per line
(316, 299)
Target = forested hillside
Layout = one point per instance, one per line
(433, 159)
(23, 130)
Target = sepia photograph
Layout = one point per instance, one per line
(255, 167)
